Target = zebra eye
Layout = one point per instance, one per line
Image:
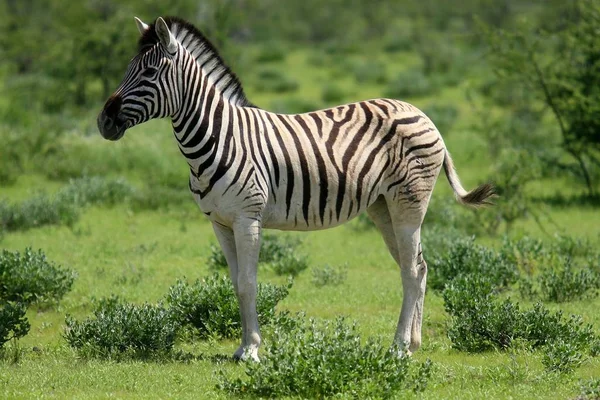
(149, 72)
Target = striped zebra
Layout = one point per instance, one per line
(252, 169)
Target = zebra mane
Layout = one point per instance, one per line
(206, 55)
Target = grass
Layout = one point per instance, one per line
(140, 254)
(124, 253)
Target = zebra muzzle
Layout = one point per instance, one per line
(109, 125)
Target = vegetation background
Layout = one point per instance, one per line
(513, 86)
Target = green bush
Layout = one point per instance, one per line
(590, 389)
(464, 257)
(569, 284)
(211, 305)
(332, 94)
(443, 116)
(410, 83)
(481, 322)
(159, 197)
(13, 322)
(216, 259)
(281, 254)
(541, 327)
(362, 223)
(527, 253)
(64, 207)
(271, 52)
(370, 71)
(571, 246)
(318, 360)
(37, 211)
(553, 272)
(399, 41)
(478, 323)
(329, 275)
(278, 252)
(562, 357)
(119, 330)
(86, 191)
(275, 81)
(294, 105)
(30, 277)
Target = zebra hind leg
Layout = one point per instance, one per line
(380, 215)
(401, 230)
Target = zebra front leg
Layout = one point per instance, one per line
(226, 239)
(247, 232)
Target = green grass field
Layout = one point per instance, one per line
(140, 254)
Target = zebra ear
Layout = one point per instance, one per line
(142, 27)
(165, 36)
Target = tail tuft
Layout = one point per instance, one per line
(480, 196)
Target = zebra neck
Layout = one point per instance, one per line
(206, 131)
(200, 54)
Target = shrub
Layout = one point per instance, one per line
(479, 322)
(362, 223)
(568, 284)
(277, 247)
(464, 257)
(277, 252)
(443, 116)
(273, 80)
(317, 360)
(212, 308)
(329, 275)
(281, 254)
(271, 52)
(13, 323)
(119, 330)
(9, 170)
(370, 71)
(38, 211)
(332, 94)
(444, 216)
(30, 277)
(410, 83)
(527, 253)
(540, 327)
(571, 246)
(86, 191)
(64, 207)
(398, 42)
(159, 197)
(290, 265)
(563, 357)
(590, 389)
(294, 105)
(216, 259)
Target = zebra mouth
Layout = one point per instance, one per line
(111, 128)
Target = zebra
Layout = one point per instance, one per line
(251, 169)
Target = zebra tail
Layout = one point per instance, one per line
(480, 196)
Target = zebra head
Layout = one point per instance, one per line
(149, 88)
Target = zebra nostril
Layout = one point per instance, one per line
(108, 122)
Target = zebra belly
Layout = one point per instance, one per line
(300, 217)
